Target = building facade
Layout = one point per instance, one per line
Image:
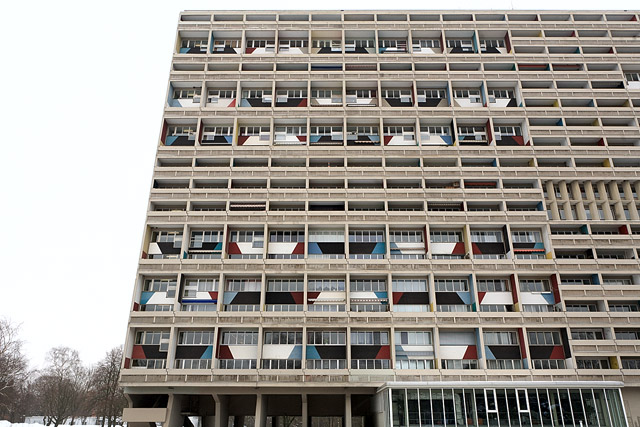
(393, 218)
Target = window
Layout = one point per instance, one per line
(319, 285)
(537, 308)
(623, 307)
(409, 285)
(459, 364)
(286, 236)
(630, 363)
(501, 93)
(427, 43)
(366, 236)
(575, 307)
(445, 236)
(182, 131)
(526, 236)
(200, 237)
(160, 339)
(191, 43)
(587, 334)
(193, 286)
(195, 338)
(282, 338)
(326, 338)
(239, 338)
(191, 93)
(628, 335)
(369, 338)
(368, 285)
(504, 364)
(424, 94)
(243, 285)
(500, 338)
(285, 285)
(467, 94)
(397, 93)
(493, 285)
(452, 285)
(592, 364)
(549, 364)
(492, 43)
(413, 338)
(218, 130)
(255, 237)
(160, 285)
(486, 236)
(544, 338)
(534, 285)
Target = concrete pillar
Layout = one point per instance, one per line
(222, 410)
(305, 411)
(261, 411)
(174, 417)
(347, 410)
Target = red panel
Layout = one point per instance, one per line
(298, 297)
(224, 352)
(458, 249)
(213, 295)
(623, 229)
(303, 103)
(138, 352)
(523, 349)
(144, 255)
(519, 140)
(555, 288)
(233, 103)
(302, 138)
(514, 292)
(489, 131)
(471, 353)
(507, 42)
(233, 248)
(127, 363)
(384, 353)
(136, 306)
(481, 297)
(299, 249)
(475, 249)
(397, 296)
(163, 133)
(250, 50)
(557, 353)
(242, 139)
(312, 295)
(387, 139)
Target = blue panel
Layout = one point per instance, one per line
(184, 49)
(314, 248)
(315, 138)
(296, 353)
(312, 353)
(489, 353)
(170, 140)
(538, 245)
(548, 297)
(379, 248)
(208, 353)
(229, 296)
(244, 103)
(374, 138)
(465, 297)
(229, 138)
(381, 294)
(145, 297)
(448, 139)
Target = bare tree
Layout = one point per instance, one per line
(13, 364)
(107, 396)
(62, 388)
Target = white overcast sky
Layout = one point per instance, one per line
(83, 89)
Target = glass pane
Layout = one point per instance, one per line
(449, 413)
(576, 404)
(470, 407)
(545, 408)
(534, 408)
(413, 408)
(615, 407)
(438, 408)
(567, 414)
(425, 408)
(554, 405)
(458, 400)
(601, 407)
(589, 407)
(481, 407)
(398, 407)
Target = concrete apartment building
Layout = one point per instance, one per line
(393, 218)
